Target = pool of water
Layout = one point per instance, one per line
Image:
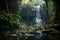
(35, 37)
(21, 38)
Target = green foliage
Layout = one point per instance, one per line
(32, 2)
(23, 25)
(19, 4)
(51, 11)
(11, 18)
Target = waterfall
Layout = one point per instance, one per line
(38, 16)
(37, 8)
(38, 19)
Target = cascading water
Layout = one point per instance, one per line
(37, 9)
(38, 19)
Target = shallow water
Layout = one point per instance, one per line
(36, 37)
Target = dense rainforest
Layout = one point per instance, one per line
(18, 16)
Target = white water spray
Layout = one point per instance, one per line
(38, 19)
